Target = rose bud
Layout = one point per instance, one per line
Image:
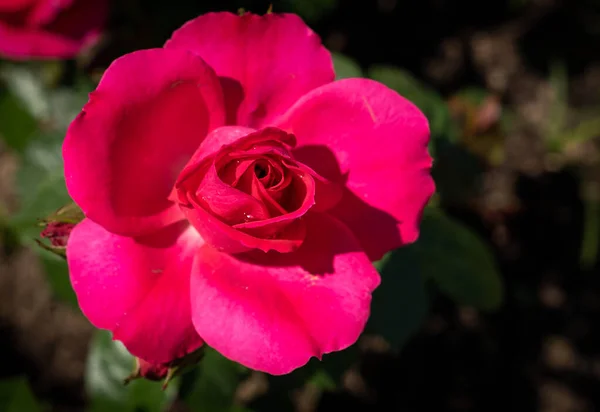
(164, 371)
(58, 227)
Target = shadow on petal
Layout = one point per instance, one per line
(165, 238)
(321, 159)
(369, 224)
(233, 94)
(318, 251)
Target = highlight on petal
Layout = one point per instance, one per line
(138, 289)
(363, 134)
(265, 62)
(124, 151)
(272, 312)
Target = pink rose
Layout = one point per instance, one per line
(49, 28)
(236, 195)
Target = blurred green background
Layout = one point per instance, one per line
(495, 308)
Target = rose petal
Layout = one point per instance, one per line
(58, 30)
(46, 11)
(233, 172)
(14, 5)
(302, 191)
(230, 138)
(273, 312)
(225, 238)
(275, 59)
(229, 204)
(260, 192)
(18, 43)
(327, 193)
(378, 140)
(139, 290)
(123, 153)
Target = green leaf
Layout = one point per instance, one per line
(66, 103)
(310, 10)
(108, 365)
(16, 396)
(26, 83)
(323, 375)
(41, 185)
(473, 95)
(585, 130)
(323, 380)
(345, 67)
(400, 303)
(41, 192)
(54, 106)
(17, 125)
(457, 173)
(213, 384)
(57, 273)
(459, 263)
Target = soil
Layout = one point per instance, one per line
(541, 351)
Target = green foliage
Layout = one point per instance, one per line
(212, 385)
(57, 274)
(35, 86)
(458, 262)
(345, 67)
(400, 303)
(457, 173)
(310, 10)
(449, 255)
(108, 365)
(35, 114)
(17, 125)
(16, 396)
(321, 375)
(40, 184)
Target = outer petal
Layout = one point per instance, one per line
(273, 312)
(14, 5)
(139, 290)
(125, 150)
(267, 62)
(45, 11)
(20, 43)
(360, 131)
(53, 29)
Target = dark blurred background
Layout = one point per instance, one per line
(520, 82)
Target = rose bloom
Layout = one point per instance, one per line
(49, 28)
(236, 195)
